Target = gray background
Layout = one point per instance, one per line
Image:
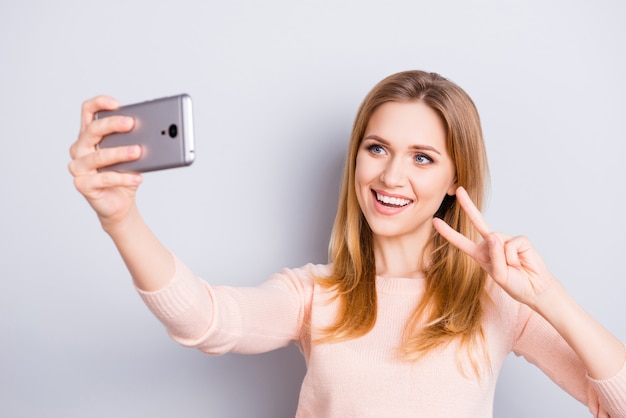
(276, 85)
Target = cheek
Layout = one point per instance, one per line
(432, 183)
(361, 172)
(362, 181)
(367, 168)
(358, 192)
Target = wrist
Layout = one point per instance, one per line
(553, 303)
(120, 226)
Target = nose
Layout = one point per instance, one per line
(394, 173)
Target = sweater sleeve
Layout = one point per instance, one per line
(539, 343)
(221, 319)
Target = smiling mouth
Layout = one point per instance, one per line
(392, 202)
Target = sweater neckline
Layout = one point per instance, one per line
(400, 285)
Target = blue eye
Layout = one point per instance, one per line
(423, 159)
(376, 149)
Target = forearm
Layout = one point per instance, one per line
(602, 354)
(148, 261)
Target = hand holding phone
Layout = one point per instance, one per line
(163, 129)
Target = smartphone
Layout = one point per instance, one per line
(164, 130)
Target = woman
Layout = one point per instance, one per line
(422, 301)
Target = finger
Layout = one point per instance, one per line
(497, 256)
(106, 126)
(513, 248)
(512, 257)
(93, 134)
(102, 158)
(91, 106)
(473, 213)
(93, 183)
(455, 238)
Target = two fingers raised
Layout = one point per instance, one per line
(503, 250)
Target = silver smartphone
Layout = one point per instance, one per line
(164, 130)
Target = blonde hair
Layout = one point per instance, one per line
(451, 306)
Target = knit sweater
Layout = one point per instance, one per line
(365, 376)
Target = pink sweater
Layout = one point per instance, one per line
(365, 377)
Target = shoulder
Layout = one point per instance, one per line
(305, 277)
(309, 271)
(312, 270)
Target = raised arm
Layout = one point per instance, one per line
(514, 264)
(112, 195)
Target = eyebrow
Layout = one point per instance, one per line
(413, 147)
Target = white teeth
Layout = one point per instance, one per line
(396, 201)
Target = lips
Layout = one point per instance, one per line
(391, 201)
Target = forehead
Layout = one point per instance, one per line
(407, 123)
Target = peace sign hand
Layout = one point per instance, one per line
(511, 262)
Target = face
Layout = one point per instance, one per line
(403, 170)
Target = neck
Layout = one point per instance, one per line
(400, 256)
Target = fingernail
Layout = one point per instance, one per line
(127, 122)
(134, 150)
(136, 180)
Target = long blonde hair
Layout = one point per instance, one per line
(451, 306)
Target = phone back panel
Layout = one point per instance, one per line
(164, 130)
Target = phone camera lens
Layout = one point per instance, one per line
(173, 131)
